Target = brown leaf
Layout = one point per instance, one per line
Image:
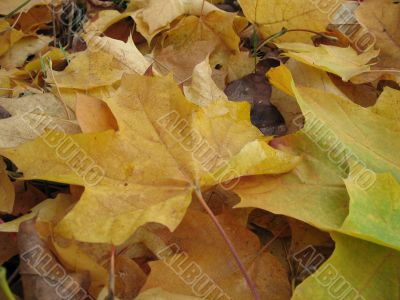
(43, 278)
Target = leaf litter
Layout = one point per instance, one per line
(172, 149)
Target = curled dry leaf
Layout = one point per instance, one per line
(154, 16)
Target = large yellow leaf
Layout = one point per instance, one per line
(345, 62)
(147, 170)
(271, 15)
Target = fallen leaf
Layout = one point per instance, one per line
(344, 62)
(22, 49)
(196, 262)
(155, 16)
(270, 16)
(7, 194)
(143, 107)
(203, 89)
(48, 211)
(38, 281)
(8, 247)
(359, 130)
(374, 214)
(26, 197)
(8, 36)
(314, 192)
(361, 269)
(31, 116)
(381, 19)
(160, 294)
(125, 53)
(94, 115)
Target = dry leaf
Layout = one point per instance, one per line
(197, 262)
(271, 15)
(142, 191)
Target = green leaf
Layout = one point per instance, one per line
(375, 213)
(357, 270)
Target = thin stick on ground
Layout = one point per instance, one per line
(111, 278)
(221, 230)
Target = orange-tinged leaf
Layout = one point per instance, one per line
(197, 262)
(94, 115)
(7, 193)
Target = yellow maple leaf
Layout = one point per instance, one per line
(381, 19)
(101, 65)
(148, 169)
(271, 15)
(344, 62)
(153, 16)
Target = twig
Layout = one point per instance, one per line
(232, 249)
(17, 9)
(111, 278)
(285, 30)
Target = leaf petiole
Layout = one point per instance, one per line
(232, 249)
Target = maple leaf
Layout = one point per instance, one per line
(368, 271)
(272, 15)
(154, 176)
(44, 110)
(159, 293)
(203, 89)
(282, 78)
(313, 193)
(357, 152)
(194, 38)
(154, 16)
(345, 62)
(214, 275)
(381, 19)
(102, 64)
